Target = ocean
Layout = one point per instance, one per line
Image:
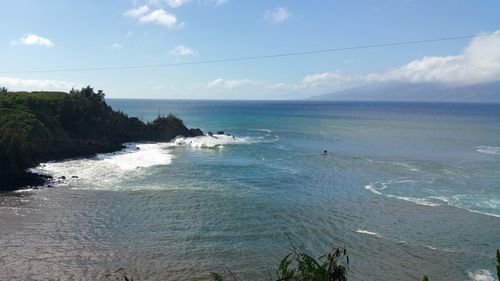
(408, 188)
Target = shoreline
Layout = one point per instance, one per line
(31, 180)
(49, 126)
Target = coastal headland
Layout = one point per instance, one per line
(46, 126)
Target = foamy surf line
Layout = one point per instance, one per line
(138, 156)
(429, 201)
(419, 201)
(212, 141)
(363, 231)
(493, 150)
(107, 169)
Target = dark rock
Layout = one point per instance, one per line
(62, 177)
(210, 134)
(195, 132)
(74, 177)
(165, 129)
(220, 132)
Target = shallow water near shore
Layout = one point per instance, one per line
(409, 188)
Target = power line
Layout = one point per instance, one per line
(248, 58)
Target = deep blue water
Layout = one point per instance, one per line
(409, 188)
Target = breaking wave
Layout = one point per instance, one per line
(215, 141)
(494, 150)
(108, 169)
(481, 275)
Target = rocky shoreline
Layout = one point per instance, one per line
(45, 126)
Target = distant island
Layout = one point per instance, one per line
(418, 92)
(45, 126)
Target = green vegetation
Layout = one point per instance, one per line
(41, 126)
(298, 266)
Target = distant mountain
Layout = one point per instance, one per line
(423, 92)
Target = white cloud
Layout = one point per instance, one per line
(33, 39)
(182, 51)
(277, 15)
(176, 3)
(16, 84)
(327, 79)
(160, 16)
(479, 62)
(230, 84)
(137, 12)
(116, 46)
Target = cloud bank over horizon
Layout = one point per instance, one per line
(479, 62)
(17, 84)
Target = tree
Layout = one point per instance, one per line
(3, 90)
(298, 266)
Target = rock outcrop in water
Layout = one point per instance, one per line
(43, 126)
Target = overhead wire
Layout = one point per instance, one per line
(245, 58)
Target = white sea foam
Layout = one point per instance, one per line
(479, 212)
(364, 231)
(138, 156)
(491, 203)
(430, 247)
(431, 201)
(385, 184)
(494, 150)
(108, 169)
(370, 188)
(418, 201)
(481, 275)
(215, 141)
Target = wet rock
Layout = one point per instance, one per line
(195, 132)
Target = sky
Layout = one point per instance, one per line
(80, 34)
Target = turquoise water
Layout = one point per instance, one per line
(409, 189)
